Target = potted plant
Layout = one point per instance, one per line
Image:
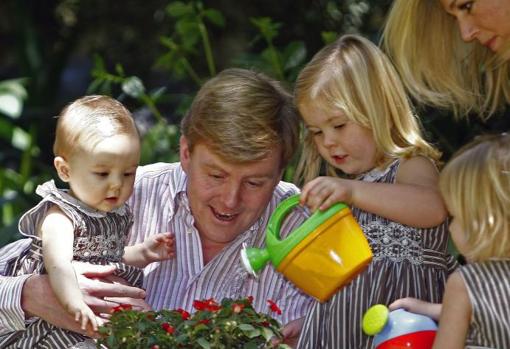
(228, 324)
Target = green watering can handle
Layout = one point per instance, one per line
(278, 249)
(279, 214)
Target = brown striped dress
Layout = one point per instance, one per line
(98, 238)
(408, 262)
(488, 285)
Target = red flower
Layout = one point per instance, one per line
(208, 304)
(274, 307)
(250, 299)
(122, 307)
(167, 327)
(265, 324)
(237, 308)
(185, 315)
(204, 321)
(155, 346)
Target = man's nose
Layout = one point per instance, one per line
(231, 195)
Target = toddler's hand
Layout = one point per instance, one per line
(160, 247)
(413, 305)
(322, 192)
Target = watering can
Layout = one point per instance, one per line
(320, 256)
(398, 329)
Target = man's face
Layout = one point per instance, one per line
(227, 198)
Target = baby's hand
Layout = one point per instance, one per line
(159, 247)
(86, 317)
(322, 192)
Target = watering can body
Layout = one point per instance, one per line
(323, 254)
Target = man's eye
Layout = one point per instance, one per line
(255, 184)
(339, 126)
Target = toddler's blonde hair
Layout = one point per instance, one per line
(354, 76)
(476, 188)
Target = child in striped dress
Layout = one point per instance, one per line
(359, 122)
(97, 151)
(476, 306)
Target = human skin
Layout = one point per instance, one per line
(487, 21)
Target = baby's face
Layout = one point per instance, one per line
(102, 177)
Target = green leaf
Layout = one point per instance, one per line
(215, 16)
(179, 9)
(204, 343)
(10, 105)
(133, 87)
(295, 54)
(328, 37)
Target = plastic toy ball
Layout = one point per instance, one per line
(398, 329)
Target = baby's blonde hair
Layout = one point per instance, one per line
(352, 75)
(476, 188)
(437, 67)
(88, 120)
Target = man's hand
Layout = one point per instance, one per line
(291, 333)
(101, 292)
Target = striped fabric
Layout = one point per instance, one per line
(488, 286)
(159, 204)
(408, 262)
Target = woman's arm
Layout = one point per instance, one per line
(455, 315)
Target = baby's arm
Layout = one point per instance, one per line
(57, 236)
(157, 247)
(413, 199)
(417, 306)
(455, 315)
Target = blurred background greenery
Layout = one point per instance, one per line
(153, 56)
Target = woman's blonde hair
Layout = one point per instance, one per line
(88, 120)
(354, 76)
(243, 115)
(440, 69)
(476, 188)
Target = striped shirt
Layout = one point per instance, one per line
(488, 285)
(159, 204)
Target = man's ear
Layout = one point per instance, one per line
(62, 168)
(184, 153)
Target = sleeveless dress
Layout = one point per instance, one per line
(99, 238)
(407, 262)
(488, 285)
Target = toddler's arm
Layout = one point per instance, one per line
(413, 199)
(157, 247)
(455, 315)
(432, 310)
(57, 235)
